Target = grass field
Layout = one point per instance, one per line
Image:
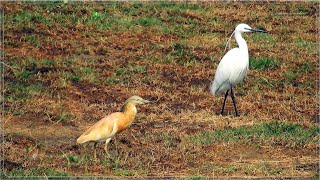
(68, 65)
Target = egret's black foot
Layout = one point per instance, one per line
(220, 113)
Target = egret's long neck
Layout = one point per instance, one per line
(241, 42)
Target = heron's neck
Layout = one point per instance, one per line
(241, 43)
(130, 111)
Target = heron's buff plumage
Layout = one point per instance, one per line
(110, 125)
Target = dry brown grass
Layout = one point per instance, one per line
(86, 73)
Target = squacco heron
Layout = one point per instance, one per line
(109, 126)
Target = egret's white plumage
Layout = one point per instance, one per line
(233, 66)
(231, 71)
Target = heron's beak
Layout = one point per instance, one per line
(256, 30)
(146, 101)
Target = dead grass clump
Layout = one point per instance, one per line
(73, 64)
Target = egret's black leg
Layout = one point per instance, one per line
(224, 101)
(234, 102)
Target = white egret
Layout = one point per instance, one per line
(233, 66)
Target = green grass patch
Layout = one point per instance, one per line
(271, 132)
(197, 178)
(84, 74)
(28, 16)
(63, 116)
(114, 79)
(295, 76)
(307, 45)
(33, 39)
(188, 6)
(181, 26)
(22, 16)
(128, 21)
(167, 139)
(148, 21)
(28, 68)
(306, 67)
(119, 17)
(73, 160)
(264, 63)
(290, 76)
(247, 169)
(130, 70)
(102, 20)
(264, 38)
(182, 54)
(268, 81)
(22, 70)
(49, 63)
(31, 172)
(123, 75)
(19, 91)
(263, 168)
(23, 75)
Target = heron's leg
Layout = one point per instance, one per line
(224, 101)
(95, 150)
(234, 102)
(115, 143)
(106, 147)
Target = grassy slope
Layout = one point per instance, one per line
(72, 64)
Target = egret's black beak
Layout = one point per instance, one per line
(256, 30)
